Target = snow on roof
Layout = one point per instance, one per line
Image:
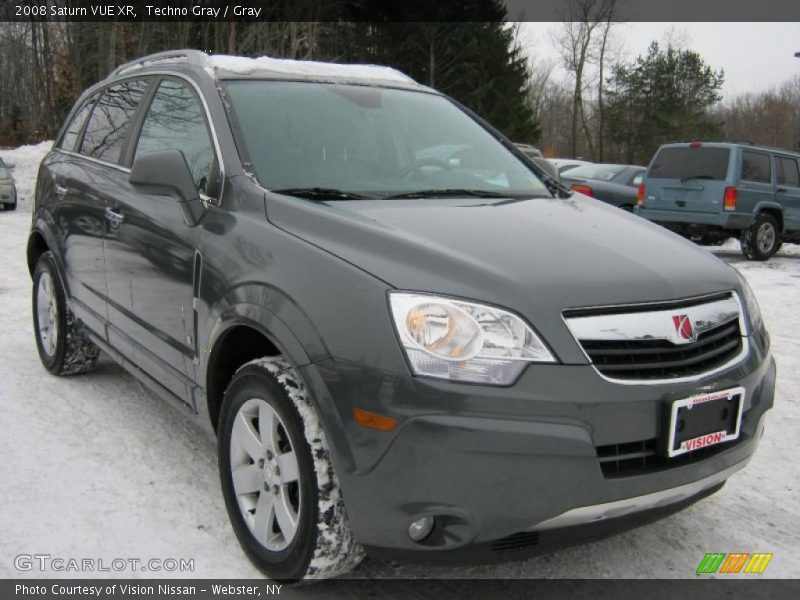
(233, 66)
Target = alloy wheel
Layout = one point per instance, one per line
(265, 474)
(765, 238)
(47, 313)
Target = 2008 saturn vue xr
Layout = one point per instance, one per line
(407, 338)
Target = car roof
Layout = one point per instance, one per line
(733, 144)
(570, 161)
(222, 67)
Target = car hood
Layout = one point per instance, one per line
(535, 256)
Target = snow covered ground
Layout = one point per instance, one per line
(96, 467)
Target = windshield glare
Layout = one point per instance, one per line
(373, 141)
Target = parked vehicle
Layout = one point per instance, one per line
(8, 192)
(713, 191)
(615, 184)
(536, 157)
(529, 151)
(565, 164)
(414, 356)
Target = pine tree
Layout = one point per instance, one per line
(663, 96)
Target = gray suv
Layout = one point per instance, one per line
(711, 191)
(407, 340)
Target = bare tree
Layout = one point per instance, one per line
(582, 22)
(771, 117)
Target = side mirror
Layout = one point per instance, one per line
(166, 173)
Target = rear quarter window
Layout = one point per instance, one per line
(756, 167)
(75, 126)
(685, 162)
(110, 120)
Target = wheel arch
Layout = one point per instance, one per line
(37, 245)
(248, 331)
(773, 209)
(237, 341)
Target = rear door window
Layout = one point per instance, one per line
(73, 130)
(110, 120)
(787, 171)
(687, 162)
(756, 167)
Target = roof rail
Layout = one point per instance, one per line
(194, 57)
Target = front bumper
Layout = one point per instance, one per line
(493, 464)
(8, 194)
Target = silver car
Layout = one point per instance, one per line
(8, 192)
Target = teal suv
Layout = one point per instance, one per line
(709, 192)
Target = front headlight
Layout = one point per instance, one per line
(751, 305)
(464, 341)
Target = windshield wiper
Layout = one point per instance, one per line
(450, 192)
(321, 193)
(688, 177)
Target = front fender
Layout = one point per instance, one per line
(273, 327)
(263, 321)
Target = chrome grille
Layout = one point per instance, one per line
(684, 340)
(661, 359)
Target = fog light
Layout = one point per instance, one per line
(420, 529)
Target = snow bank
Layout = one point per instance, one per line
(26, 160)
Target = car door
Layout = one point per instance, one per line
(787, 170)
(150, 250)
(756, 185)
(87, 178)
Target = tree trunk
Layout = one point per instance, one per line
(600, 107)
(576, 101)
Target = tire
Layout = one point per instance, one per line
(305, 532)
(63, 346)
(761, 239)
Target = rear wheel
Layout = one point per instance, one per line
(762, 238)
(282, 495)
(63, 346)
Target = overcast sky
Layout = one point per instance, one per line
(754, 56)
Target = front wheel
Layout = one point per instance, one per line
(63, 346)
(761, 239)
(280, 489)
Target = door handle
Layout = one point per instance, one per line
(60, 190)
(781, 190)
(114, 217)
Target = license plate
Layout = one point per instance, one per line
(705, 420)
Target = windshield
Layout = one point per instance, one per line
(687, 162)
(601, 172)
(375, 142)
